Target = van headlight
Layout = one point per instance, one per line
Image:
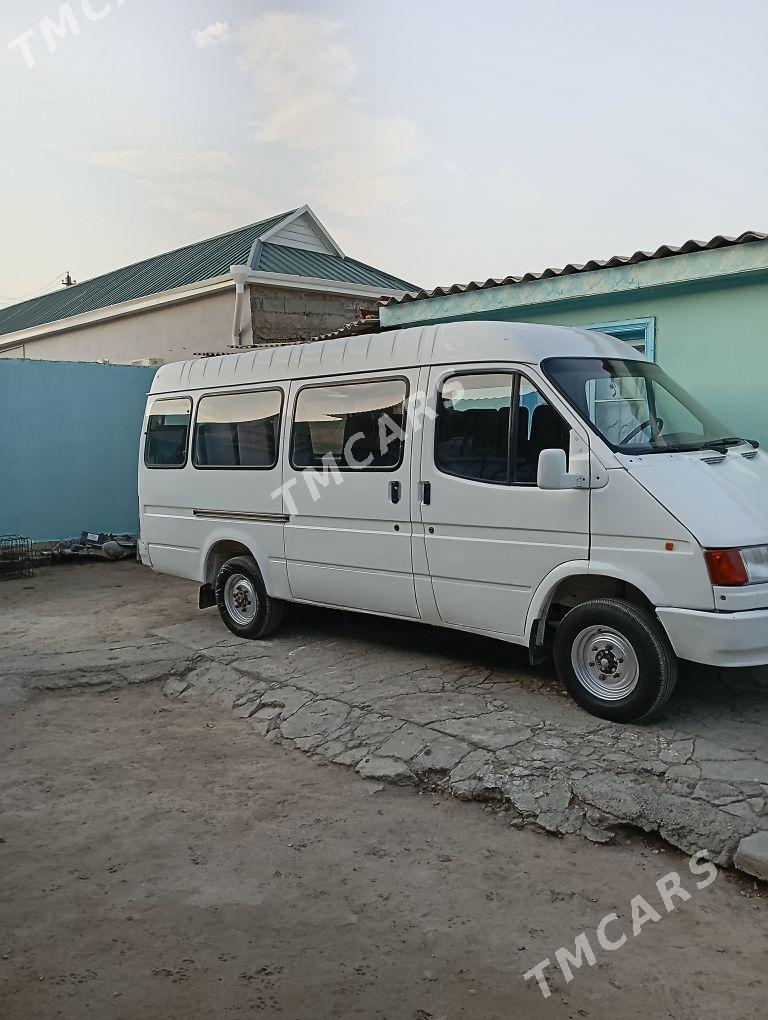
(738, 566)
(755, 559)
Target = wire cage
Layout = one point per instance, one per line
(15, 557)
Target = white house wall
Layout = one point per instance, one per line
(203, 325)
(169, 333)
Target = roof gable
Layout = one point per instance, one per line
(302, 229)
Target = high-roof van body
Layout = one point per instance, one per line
(541, 485)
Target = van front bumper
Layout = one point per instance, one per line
(718, 639)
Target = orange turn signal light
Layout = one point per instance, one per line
(726, 566)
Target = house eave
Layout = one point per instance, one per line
(721, 264)
(190, 292)
(255, 277)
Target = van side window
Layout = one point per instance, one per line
(354, 426)
(539, 427)
(237, 430)
(165, 445)
(476, 437)
(473, 426)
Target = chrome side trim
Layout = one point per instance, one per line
(237, 515)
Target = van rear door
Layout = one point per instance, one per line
(346, 487)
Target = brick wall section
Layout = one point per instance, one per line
(277, 312)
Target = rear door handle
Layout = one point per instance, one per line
(395, 491)
(426, 493)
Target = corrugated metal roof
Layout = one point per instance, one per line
(275, 258)
(360, 327)
(194, 263)
(664, 252)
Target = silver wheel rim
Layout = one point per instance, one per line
(240, 599)
(605, 663)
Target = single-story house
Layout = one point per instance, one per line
(284, 277)
(700, 310)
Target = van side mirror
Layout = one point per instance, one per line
(553, 472)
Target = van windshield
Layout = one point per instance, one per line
(635, 406)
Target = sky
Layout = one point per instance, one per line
(439, 140)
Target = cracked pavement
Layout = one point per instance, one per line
(441, 710)
(409, 704)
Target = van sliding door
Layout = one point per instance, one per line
(347, 492)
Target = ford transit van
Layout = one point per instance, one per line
(545, 486)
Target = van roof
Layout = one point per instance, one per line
(445, 344)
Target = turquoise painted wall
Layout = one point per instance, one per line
(711, 339)
(69, 439)
(711, 335)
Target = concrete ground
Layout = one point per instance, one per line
(161, 857)
(410, 704)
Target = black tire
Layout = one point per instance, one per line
(267, 613)
(655, 661)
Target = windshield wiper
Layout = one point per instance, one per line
(714, 444)
(679, 448)
(667, 448)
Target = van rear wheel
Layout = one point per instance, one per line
(615, 660)
(242, 599)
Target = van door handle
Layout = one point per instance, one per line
(426, 493)
(395, 490)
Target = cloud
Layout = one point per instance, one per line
(353, 162)
(202, 186)
(313, 139)
(151, 164)
(216, 32)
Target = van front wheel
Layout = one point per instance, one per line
(615, 660)
(243, 602)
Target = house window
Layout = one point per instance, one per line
(638, 333)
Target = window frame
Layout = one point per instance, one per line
(350, 382)
(595, 431)
(547, 400)
(517, 374)
(622, 326)
(514, 387)
(170, 467)
(239, 467)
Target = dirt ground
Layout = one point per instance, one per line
(161, 860)
(79, 605)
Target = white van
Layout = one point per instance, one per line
(541, 485)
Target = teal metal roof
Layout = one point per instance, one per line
(194, 263)
(276, 258)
